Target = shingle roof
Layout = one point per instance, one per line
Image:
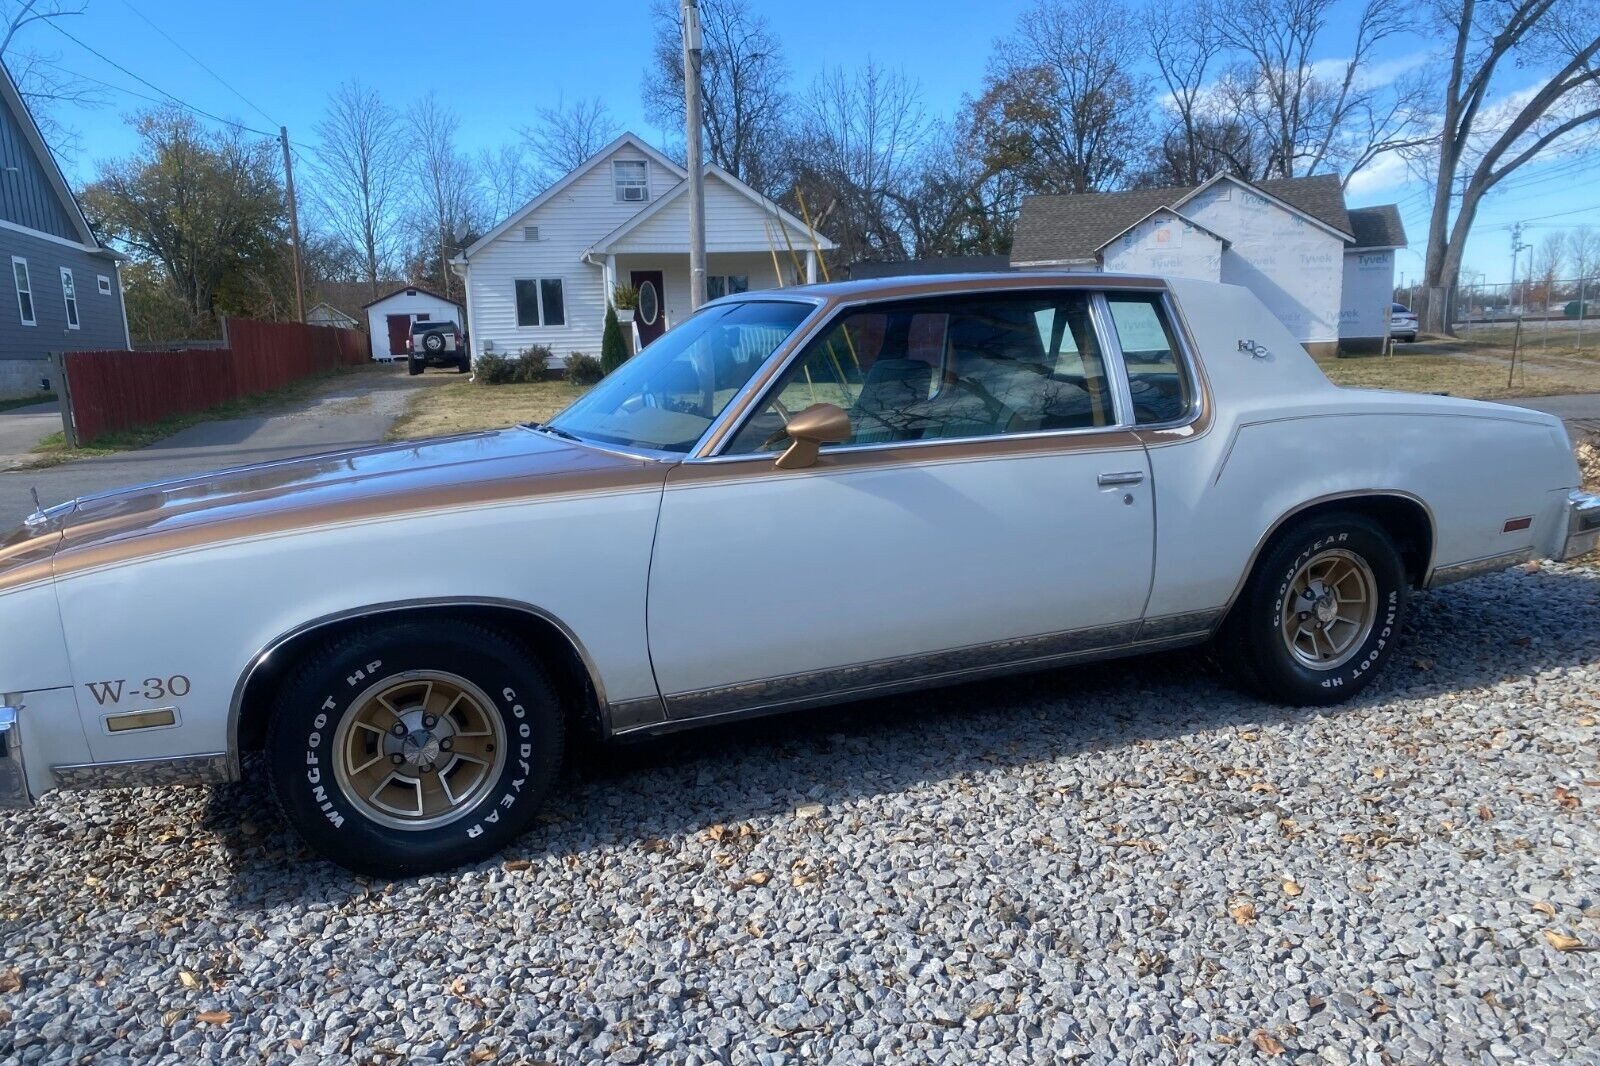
(1072, 227)
(1378, 227)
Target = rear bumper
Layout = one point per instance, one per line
(13, 777)
(1583, 525)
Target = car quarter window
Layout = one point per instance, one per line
(1157, 383)
(959, 366)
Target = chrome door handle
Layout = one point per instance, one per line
(1121, 477)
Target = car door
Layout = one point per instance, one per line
(992, 508)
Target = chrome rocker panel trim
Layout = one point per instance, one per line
(887, 676)
(1449, 575)
(210, 769)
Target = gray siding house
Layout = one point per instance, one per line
(65, 288)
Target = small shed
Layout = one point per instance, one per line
(325, 314)
(389, 318)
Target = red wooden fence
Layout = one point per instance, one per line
(117, 390)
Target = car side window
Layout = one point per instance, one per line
(962, 366)
(1156, 380)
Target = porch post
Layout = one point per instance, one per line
(610, 277)
(811, 266)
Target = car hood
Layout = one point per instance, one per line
(334, 488)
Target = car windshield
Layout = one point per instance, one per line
(666, 397)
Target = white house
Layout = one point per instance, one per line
(325, 314)
(545, 274)
(389, 318)
(1325, 270)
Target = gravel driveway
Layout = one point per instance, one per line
(1129, 863)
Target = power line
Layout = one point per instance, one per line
(200, 63)
(151, 85)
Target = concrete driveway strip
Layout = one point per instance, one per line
(355, 410)
(22, 428)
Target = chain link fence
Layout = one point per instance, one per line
(1553, 313)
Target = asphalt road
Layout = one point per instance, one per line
(22, 428)
(356, 409)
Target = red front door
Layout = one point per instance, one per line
(399, 333)
(651, 317)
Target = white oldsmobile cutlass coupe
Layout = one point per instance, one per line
(793, 498)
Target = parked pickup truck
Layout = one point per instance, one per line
(437, 343)
(794, 498)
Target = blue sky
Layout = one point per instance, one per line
(496, 61)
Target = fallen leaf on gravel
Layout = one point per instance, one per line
(5, 1017)
(1266, 1043)
(483, 1054)
(1291, 888)
(458, 987)
(981, 1011)
(1484, 813)
(1379, 772)
(808, 810)
(1243, 913)
(1226, 1039)
(755, 930)
(1188, 777)
(1561, 941)
(1547, 909)
(1532, 566)
(1567, 799)
(170, 1018)
(716, 832)
(1422, 664)
(757, 879)
(187, 979)
(1586, 721)
(516, 865)
(214, 1017)
(295, 1043)
(1262, 786)
(10, 980)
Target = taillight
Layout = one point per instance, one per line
(408, 344)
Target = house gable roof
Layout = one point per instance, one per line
(333, 312)
(408, 289)
(1061, 229)
(1378, 227)
(1175, 213)
(515, 218)
(766, 206)
(47, 161)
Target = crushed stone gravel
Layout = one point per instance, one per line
(1124, 863)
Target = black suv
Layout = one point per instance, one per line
(437, 344)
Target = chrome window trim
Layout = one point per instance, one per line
(1184, 357)
(1111, 360)
(834, 310)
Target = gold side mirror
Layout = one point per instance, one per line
(808, 431)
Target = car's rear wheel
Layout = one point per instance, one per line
(409, 748)
(1320, 613)
(463, 364)
(414, 366)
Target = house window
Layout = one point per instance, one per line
(541, 302)
(632, 178)
(19, 268)
(69, 294)
(104, 283)
(530, 233)
(726, 285)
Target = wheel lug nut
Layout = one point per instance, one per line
(399, 729)
(397, 758)
(429, 721)
(446, 744)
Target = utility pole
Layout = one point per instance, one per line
(697, 187)
(1517, 248)
(294, 225)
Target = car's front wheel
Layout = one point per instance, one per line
(1320, 613)
(410, 748)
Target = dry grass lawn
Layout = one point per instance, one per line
(463, 406)
(1481, 377)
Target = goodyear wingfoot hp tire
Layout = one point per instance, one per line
(411, 748)
(1320, 614)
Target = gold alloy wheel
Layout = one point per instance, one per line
(1329, 609)
(419, 750)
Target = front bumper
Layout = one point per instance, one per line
(1583, 525)
(13, 778)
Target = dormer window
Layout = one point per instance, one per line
(632, 180)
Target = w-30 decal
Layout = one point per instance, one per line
(151, 688)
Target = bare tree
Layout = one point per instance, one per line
(40, 77)
(565, 135)
(507, 179)
(446, 208)
(360, 164)
(1550, 259)
(1583, 251)
(742, 73)
(1479, 145)
(1064, 106)
(1309, 123)
(854, 160)
(1185, 51)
